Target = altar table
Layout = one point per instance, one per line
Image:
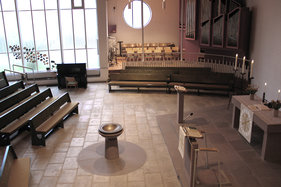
(271, 126)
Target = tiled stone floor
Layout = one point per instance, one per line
(56, 165)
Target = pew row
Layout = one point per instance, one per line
(192, 78)
(208, 81)
(18, 117)
(4, 92)
(18, 97)
(43, 123)
(14, 171)
(138, 80)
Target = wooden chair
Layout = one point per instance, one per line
(71, 82)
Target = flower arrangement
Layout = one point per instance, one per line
(276, 105)
(251, 89)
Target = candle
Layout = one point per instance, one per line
(243, 65)
(278, 94)
(235, 65)
(251, 71)
(265, 84)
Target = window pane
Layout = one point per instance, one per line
(91, 26)
(42, 60)
(53, 29)
(81, 56)
(15, 60)
(93, 59)
(11, 28)
(40, 30)
(4, 62)
(51, 4)
(23, 4)
(134, 20)
(8, 5)
(66, 25)
(68, 56)
(79, 28)
(77, 3)
(37, 4)
(26, 29)
(55, 56)
(3, 48)
(65, 4)
(90, 3)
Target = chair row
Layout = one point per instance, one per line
(147, 45)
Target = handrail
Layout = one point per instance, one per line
(23, 75)
(25, 67)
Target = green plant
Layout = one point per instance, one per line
(275, 104)
(251, 89)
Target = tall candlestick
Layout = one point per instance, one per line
(251, 71)
(236, 59)
(263, 95)
(243, 65)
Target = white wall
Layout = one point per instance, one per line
(265, 46)
(162, 28)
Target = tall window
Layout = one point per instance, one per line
(41, 33)
(132, 14)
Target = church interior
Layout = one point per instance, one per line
(140, 93)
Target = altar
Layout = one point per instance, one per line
(263, 118)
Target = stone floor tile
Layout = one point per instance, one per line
(57, 158)
(67, 176)
(83, 181)
(77, 142)
(48, 181)
(35, 176)
(53, 170)
(70, 163)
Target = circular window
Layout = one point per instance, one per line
(132, 14)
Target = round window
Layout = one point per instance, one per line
(132, 14)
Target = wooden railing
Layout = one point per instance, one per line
(217, 63)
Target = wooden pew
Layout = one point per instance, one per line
(138, 80)
(3, 80)
(18, 97)
(208, 81)
(43, 123)
(4, 92)
(18, 117)
(14, 171)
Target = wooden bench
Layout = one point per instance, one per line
(18, 97)
(3, 80)
(43, 123)
(14, 171)
(208, 81)
(4, 92)
(18, 117)
(138, 80)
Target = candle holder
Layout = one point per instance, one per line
(263, 97)
(234, 78)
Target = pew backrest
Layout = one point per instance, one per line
(139, 77)
(23, 108)
(44, 114)
(3, 80)
(4, 92)
(18, 97)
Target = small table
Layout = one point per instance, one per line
(271, 126)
